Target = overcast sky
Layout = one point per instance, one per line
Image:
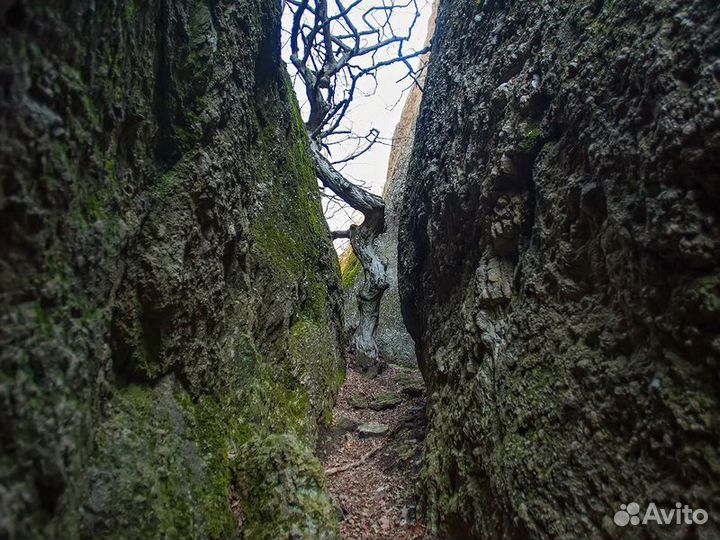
(380, 110)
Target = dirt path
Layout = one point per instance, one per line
(377, 495)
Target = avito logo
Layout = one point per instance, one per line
(681, 514)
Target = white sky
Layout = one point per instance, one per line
(380, 109)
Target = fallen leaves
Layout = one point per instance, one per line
(374, 489)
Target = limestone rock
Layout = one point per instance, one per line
(559, 243)
(343, 423)
(282, 491)
(410, 383)
(372, 429)
(168, 283)
(385, 400)
(358, 401)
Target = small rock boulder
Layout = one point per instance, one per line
(386, 400)
(410, 383)
(372, 429)
(358, 401)
(344, 424)
(281, 487)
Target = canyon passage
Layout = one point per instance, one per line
(513, 333)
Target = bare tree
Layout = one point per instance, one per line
(334, 44)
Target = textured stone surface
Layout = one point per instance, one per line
(284, 486)
(372, 429)
(385, 400)
(169, 292)
(559, 248)
(409, 382)
(358, 401)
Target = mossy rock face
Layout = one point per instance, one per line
(350, 268)
(175, 291)
(345, 424)
(410, 383)
(156, 472)
(281, 486)
(562, 285)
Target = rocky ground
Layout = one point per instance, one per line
(372, 454)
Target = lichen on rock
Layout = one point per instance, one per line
(166, 266)
(558, 218)
(281, 486)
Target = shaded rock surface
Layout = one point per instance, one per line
(385, 400)
(372, 429)
(358, 401)
(410, 383)
(286, 484)
(559, 246)
(169, 291)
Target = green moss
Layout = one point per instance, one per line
(280, 242)
(171, 181)
(91, 110)
(315, 303)
(279, 249)
(313, 352)
(166, 184)
(292, 171)
(350, 268)
(160, 468)
(212, 419)
(43, 319)
(295, 247)
(131, 9)
(532, 133)
(93, 208)
(282, 491)
(185, 137)
(91, 201)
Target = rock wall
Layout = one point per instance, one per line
(170, 301)
(558, 265)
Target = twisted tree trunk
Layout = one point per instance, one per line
(325, 44)
(362, 238)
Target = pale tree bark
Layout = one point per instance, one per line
(331, 50)
(362, 239)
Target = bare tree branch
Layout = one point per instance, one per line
(371, 138)
(328, 45)
(334, 46)
(336, 235)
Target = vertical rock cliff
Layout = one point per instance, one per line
(558, 265)
(170, 316)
